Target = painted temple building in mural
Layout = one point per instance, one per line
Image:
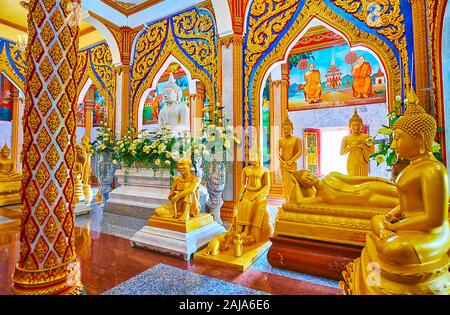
(226, 147)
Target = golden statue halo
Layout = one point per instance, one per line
(416, 121)
(355, 118)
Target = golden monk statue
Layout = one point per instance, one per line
(183, 196)
(251, 220)
(289, 150)
(10, 180)
(86, 174)
(80, 162)
(313, 87)
(410, 244)
(362, 82)
(340, 189)
(357, 148)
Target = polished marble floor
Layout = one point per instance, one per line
(110, 266)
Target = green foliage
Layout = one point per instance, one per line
(385, 137)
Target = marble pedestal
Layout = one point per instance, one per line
(141, 191)
(174, 243)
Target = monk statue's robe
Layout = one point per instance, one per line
(362, 83)
(313, 87)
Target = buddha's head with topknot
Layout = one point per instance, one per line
(415, 131)
(355, 123)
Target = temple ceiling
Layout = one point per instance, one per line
(13, 22)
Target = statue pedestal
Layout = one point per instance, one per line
(226, 259)
(141, 191)
(10, 192)
(177, 238)
(311, 257)
(319, 239)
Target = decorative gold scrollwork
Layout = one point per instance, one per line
(386, 17)
(195, 33)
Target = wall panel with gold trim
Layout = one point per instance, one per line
(190, 37)
(272, 26)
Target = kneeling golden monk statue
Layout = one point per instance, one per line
(184, 195)
(409, 246)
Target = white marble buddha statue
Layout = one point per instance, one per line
(174, 115)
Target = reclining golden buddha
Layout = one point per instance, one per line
(337, 208)
(407, 249)
(10, 179)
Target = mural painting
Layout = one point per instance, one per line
(5, 99)
(99, 112)
(336, 76)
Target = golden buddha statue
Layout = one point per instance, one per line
(357, 148)
(340, 189)
(183, 196)
(336, 209)
(10, 180)
(410, 244)
(251, 219)
(80, 162)
(289, 150)
(86, 174)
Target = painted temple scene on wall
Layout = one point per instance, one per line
(99, 113)
(155, 100)
(325, 72)
(5, 99)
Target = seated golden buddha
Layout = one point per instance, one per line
(409, 244)
(184, 195)
(251, 220)
(10, 180)
(337, 208)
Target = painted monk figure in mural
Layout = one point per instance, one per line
(362, 83)
(313, 87)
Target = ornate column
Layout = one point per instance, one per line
(89, 103)
(278, 113)
(421, 59)
(123, 75)
(231, 58)
(15, 156)
(197, 103)
(48, 263)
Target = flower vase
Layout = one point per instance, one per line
(105, 172)
(214, 174)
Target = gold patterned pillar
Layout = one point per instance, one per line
(421, 59)
(15, 126)
(48, 263)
